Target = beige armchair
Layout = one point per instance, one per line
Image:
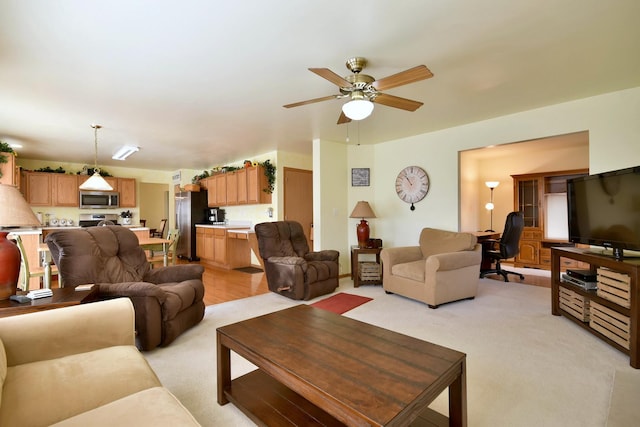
(444, 267)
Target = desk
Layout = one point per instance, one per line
(483, 236)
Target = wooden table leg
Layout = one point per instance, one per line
(458, 399)
(224, 369)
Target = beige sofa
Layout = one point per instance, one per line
(78, 366)
(444, 267)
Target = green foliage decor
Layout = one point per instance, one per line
(270, 173)
(5, 148)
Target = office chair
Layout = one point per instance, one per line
(506, 247)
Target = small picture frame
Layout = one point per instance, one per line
(360, 177)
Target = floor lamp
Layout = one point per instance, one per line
(490, 206)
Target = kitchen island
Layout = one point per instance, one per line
(225, 246)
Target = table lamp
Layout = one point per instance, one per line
(362, 210)
(14, 212)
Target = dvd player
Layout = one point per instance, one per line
(584, 275)
(587, 285)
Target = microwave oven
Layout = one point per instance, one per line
(99, 199)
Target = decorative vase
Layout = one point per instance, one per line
(10, 266)
(362, 230)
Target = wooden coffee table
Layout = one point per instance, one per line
(62, 297)
(320, 368)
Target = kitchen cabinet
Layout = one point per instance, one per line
(535, 195)
(10, 173)
(37, 188)
(127, 189)
(64, 189)
(56, 189)
(240, 187)
(256, 184)
(232, 188)
(221, 248)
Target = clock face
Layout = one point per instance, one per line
(412, 184)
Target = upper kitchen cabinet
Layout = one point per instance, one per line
(239, 187)
(57, 189)
(257, 183)
(127, 189)
(10, 173)
(64, 190)
(37, 188)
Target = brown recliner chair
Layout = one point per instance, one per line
(167, 300)
(291, 269)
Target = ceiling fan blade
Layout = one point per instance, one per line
(405, 77)
(397, 102)
(311, 101)
(326, 73)
(343, 118)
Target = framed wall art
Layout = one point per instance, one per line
(360, 177)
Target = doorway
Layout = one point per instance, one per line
(298, 198)
(154, 203)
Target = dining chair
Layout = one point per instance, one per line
(158, 232)
(34, 271)
(156, 255)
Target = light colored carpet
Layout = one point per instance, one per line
(525, 367)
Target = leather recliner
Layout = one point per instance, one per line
(292, 270)
(167, 300)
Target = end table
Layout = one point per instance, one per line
(356, 251)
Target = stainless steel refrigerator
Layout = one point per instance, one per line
(190, 210)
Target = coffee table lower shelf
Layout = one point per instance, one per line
(269, 403)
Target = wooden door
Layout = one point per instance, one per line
(298, 198)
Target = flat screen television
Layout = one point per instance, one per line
(604, 210)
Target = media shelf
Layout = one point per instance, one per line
(608, 319)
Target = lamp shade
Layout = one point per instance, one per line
(14, 212)
(96, 182)
(362, 210)
(492, 184)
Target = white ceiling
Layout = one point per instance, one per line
(199, 83)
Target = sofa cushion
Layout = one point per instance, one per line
(73, 384)
(410, 270)
(434, 241)
(151, 407)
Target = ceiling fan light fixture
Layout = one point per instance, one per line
(96, 181)
(358, 108)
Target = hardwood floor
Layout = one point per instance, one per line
(222, 285)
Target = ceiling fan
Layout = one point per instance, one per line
(363, 90)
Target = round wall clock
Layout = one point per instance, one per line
(412, 185)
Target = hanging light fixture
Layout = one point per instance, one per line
(359, 107)
(96, 181)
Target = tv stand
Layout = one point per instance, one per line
(614, 318)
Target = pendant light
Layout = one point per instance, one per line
(96, 181)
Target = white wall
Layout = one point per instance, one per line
(614, 133)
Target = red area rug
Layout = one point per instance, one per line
(341, 302)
